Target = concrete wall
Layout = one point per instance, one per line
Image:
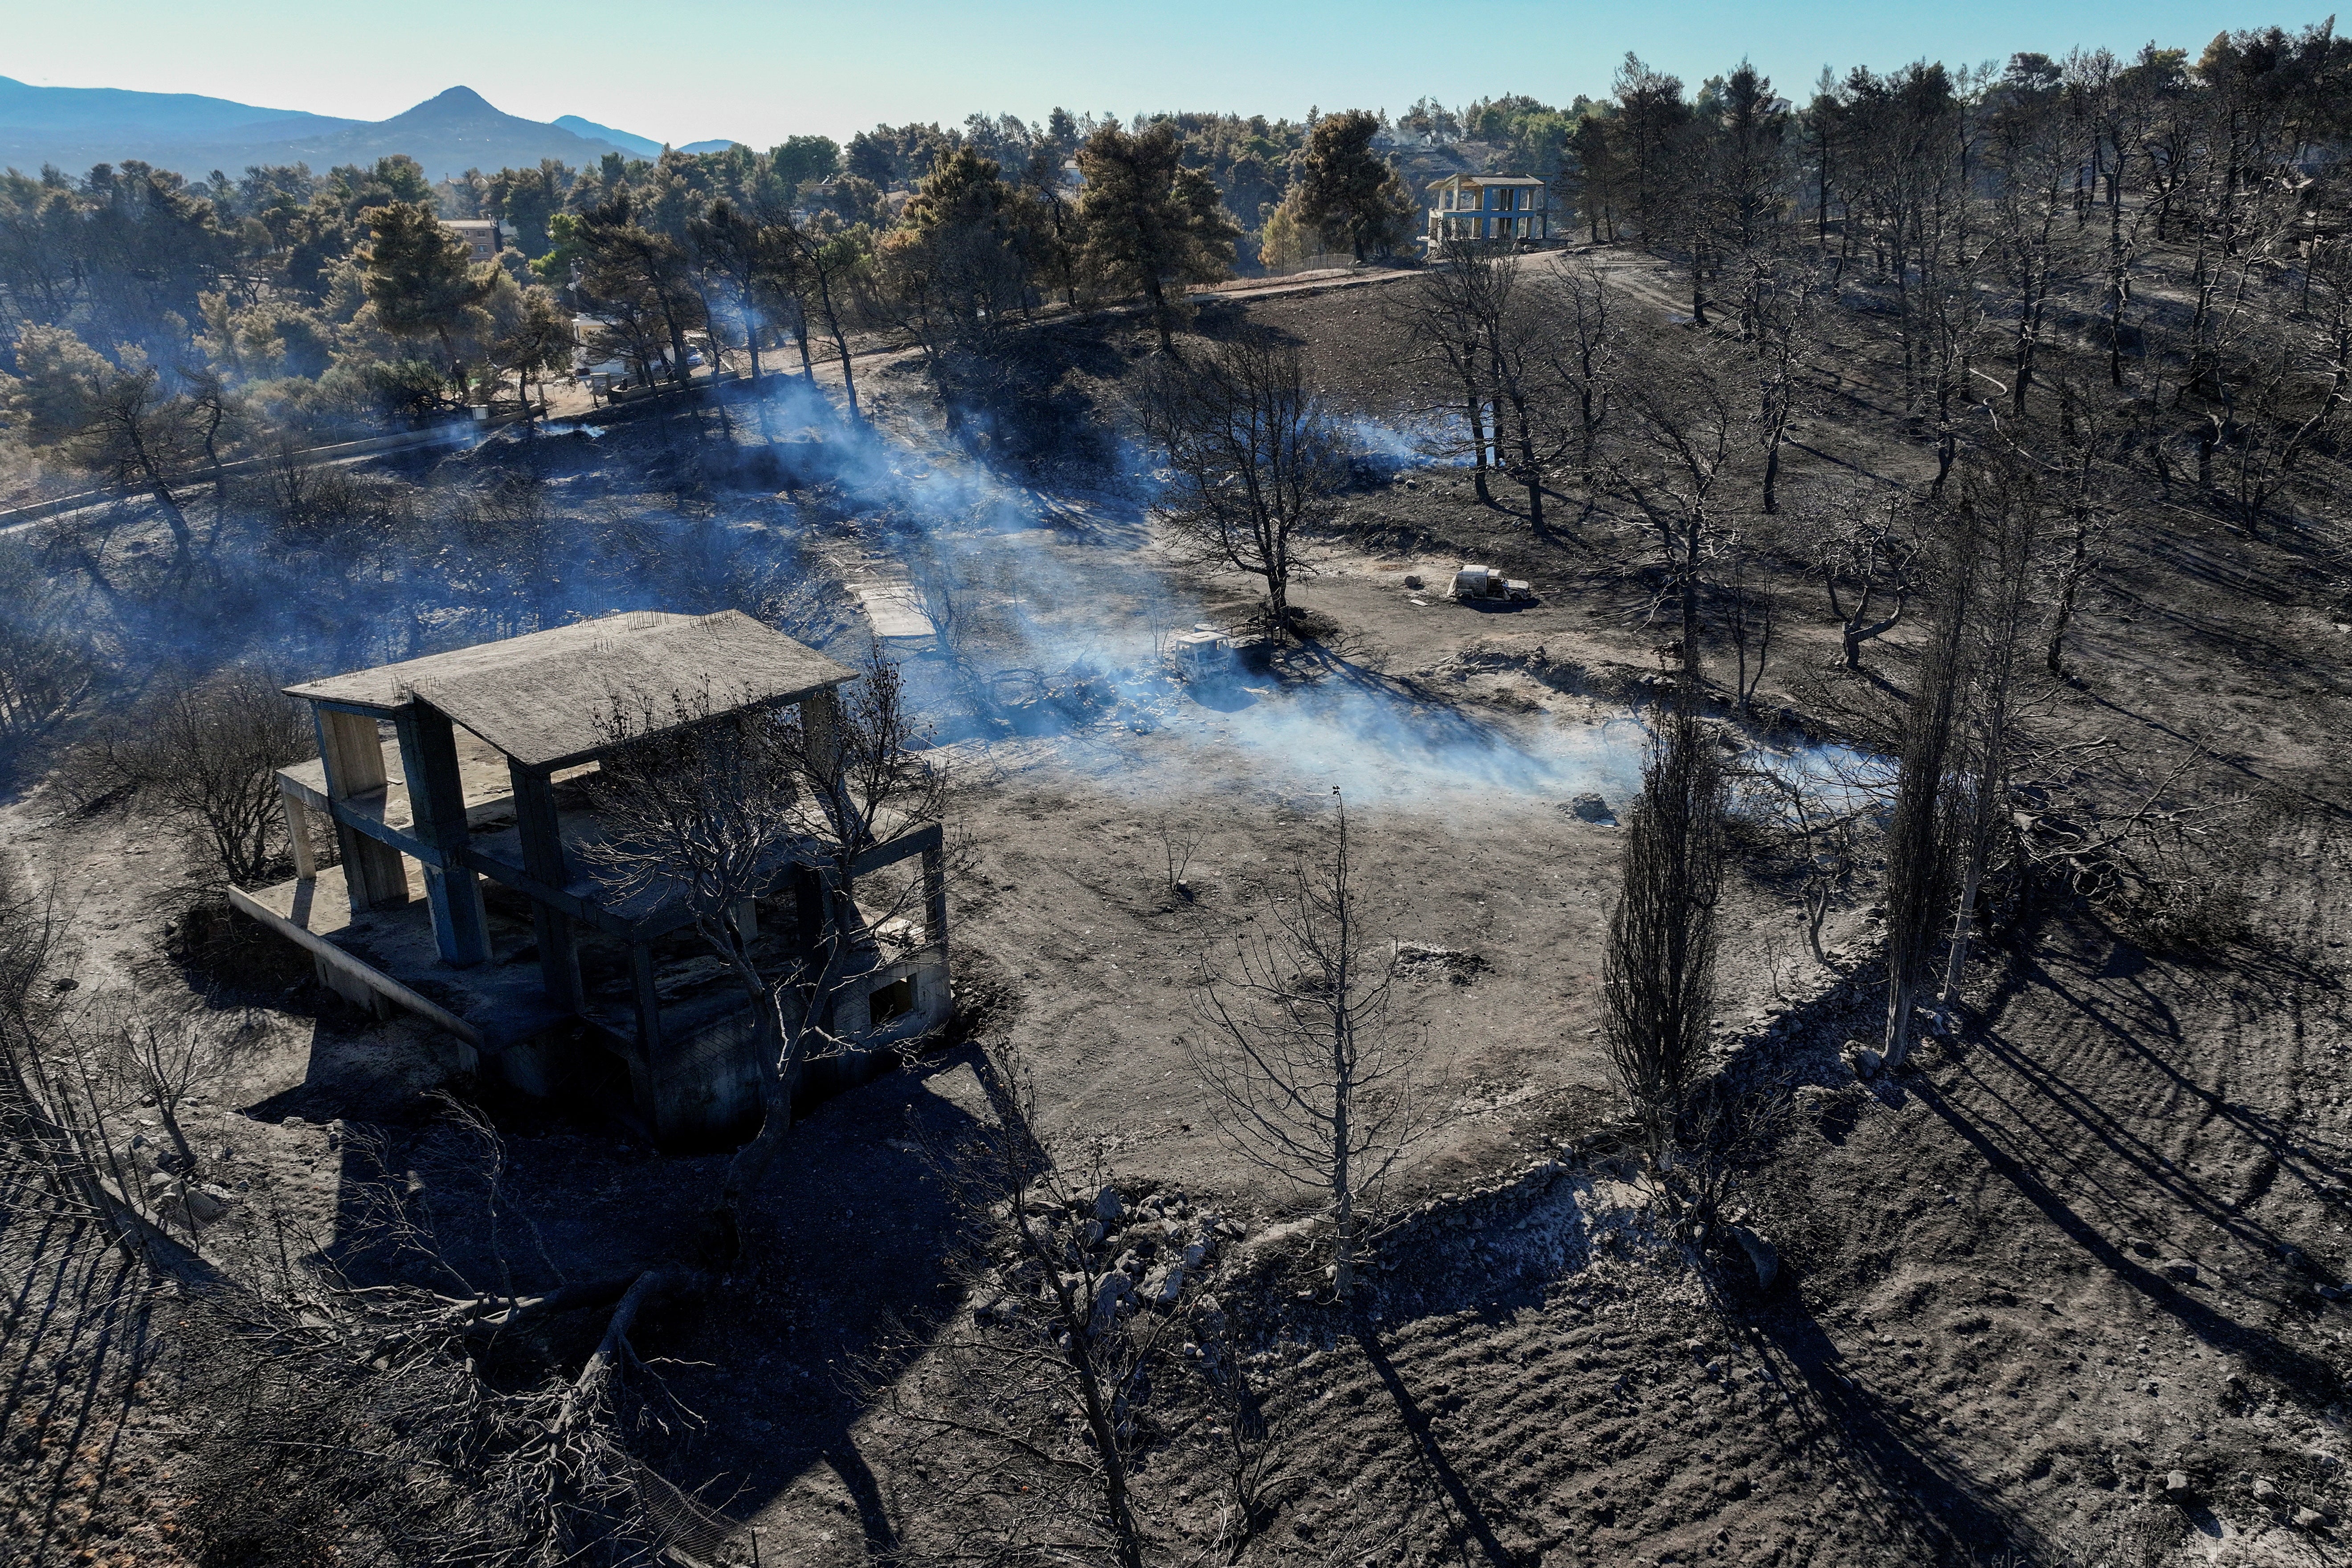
(705, 1085)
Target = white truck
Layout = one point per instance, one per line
(1487, 584)
(1208, 654)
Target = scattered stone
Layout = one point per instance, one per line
(1760, 1256)
(1166, 1286)
(1109, 1292)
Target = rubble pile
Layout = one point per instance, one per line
(1147, 1251)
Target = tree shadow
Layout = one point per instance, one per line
(78, 1337)
(1434, 1461)
(1909, 1488)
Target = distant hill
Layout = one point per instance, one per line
(448, 135)
(636, 146)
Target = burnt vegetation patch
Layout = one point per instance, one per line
(1655, 883)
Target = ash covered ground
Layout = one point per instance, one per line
(2077, 1251)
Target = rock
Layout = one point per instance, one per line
(1109, 1292)
(1864, 1061)
(1166, 1288)
(1095, 1233)
(1108, 1207)
(2175, 1487)
(207, 1205)
(2309, 1519)
(1592, 808)
(1413, 579)
(1760, 1256)
(2265, 1492)
(2180, 1269)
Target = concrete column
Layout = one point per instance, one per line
(297, 833)
(821, 723)
(641, 976)
(436, 805)
(935, 897)
(542, 857)
(808, 907)
(353, 754)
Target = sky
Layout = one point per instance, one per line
(760, 70)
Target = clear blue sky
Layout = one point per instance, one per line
(758, 70)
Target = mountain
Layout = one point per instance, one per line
(448, 135)
(75, 127)
(633, 145)
(105, 112)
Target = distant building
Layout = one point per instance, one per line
(1489, 206)
(480, 234)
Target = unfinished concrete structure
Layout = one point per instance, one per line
(460, 787)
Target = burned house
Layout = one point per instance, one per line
(1489, 206)
(460, 790)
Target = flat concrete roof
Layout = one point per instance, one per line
(547, 698)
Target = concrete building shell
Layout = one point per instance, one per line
(459, 788)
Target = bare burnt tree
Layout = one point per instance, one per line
(2084, 460)
(713, 807)
(1046, 1378)
(1449, 319)
(1868, 558)
(41, 1126)
(1751, 600)
(1254, 459)
(1587, 353)
(1658, 970)
(1815, 815)
(167, 1061)
(1312, 1077)
(1686, 423)
(46, 665)
(206, 750)
(2008, 539)
(372, 1390)
(1919, 848)
(1534, 319)
(1784, 300)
